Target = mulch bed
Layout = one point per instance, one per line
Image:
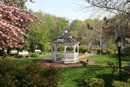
(47, 62)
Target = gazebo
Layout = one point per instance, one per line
(65, 49)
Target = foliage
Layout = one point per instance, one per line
(36, 55)
(120, 84)
(95, 82)
(110, 5)
(6, 55)
(127, 69)
(69, 48)
(30, 75)
(83, 49)
(61, 48)
(14, 25)
(108, 51)
(126, 51)
(17, 3)
(84, 63)
(113, 65)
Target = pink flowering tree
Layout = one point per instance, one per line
(14, 25)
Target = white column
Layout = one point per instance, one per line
(74, 47)
(65, 46)
(55, 51)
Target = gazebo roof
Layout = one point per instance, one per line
(65, 37)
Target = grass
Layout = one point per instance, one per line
(29, 60)
(103, 59)
(75, 76)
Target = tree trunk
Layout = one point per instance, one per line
(2, 52)
(32, 47)
(8, 50)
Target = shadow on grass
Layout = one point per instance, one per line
(90, 72)
(106, 73)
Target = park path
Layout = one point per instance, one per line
(45, 62)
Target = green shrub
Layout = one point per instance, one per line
(120, 84)
(69, 48)
(83, 49)
(30, 75)
(126, 51)
(95, 82)
(108, 51)
(98, 51)
(6, 55)
(34, 55)
(61, 48)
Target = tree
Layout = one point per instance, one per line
(116, 6)
(14, 25)
(75, 29)
(16, 3)
(122, 11)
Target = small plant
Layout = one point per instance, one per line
(128, 80)
(127, 69)
(95, 82)
(6, 55)
(120, 84)
(84, 63)
(113, 65)
(126, 51)
(34, 55)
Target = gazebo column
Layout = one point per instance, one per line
(78, 52)
(65, 46)
(74, 47)
(55, 51)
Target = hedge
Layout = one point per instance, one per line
(29, 75)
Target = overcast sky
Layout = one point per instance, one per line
(62, 8)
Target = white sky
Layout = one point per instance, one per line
(63, 8)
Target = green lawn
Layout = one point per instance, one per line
(102, 59)
(75, 76)
(30, 60)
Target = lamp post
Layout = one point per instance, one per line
(119, 43)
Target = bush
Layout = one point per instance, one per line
(69, 48)
(126, 51)
(108, 51)
(6, 55)
(34, 55)
(83, 49)
(30, 75)
(120, 84)
(95, 82)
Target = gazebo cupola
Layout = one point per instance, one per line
(65, 49)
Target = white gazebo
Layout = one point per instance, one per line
(61, 49)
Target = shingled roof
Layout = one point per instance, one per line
(65, 37)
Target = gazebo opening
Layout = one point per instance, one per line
(65, 49)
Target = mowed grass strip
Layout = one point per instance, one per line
(103, 59)
(30, 60)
